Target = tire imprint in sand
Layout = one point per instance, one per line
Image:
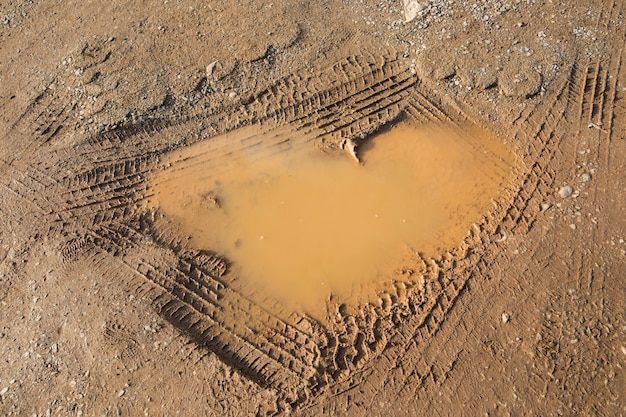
(97, 206)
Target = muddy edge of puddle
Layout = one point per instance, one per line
(299, 225)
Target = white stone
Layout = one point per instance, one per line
(411, 9)
(211, 67)
(350, 146)
(566, 191)
(505, 318)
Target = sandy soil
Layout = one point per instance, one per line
(108, 310)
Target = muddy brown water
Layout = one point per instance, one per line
(299, 224)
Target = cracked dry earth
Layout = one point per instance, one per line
(108, 307)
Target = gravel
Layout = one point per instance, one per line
(566, 191)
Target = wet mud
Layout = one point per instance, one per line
(301, 225)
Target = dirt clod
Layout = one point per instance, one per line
(517, 80)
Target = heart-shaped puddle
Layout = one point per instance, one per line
(299, 224)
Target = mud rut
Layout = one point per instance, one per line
(90, 197)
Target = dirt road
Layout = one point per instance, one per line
(108, 307)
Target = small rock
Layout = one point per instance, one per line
(505, 318)
(4, 391)
(586, 177)
(350, 147)
(545, 207)
(566, 191)
(215, 65)
(121, 392)
(411, 9)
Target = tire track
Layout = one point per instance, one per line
(404, 368)
(98, 206)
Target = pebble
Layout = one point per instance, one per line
(505, 318)
(412, 9)
(586, 177)
(210, 68)
(4, 391)
(566, 191)
(122, 392)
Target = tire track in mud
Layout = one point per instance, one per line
(590, 96)
(98, 207)
(42, 121)
(404, 373)
(272, 351)
(401, 366)
(95, 203)
(597, 150)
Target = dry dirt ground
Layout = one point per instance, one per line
(106, 310)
